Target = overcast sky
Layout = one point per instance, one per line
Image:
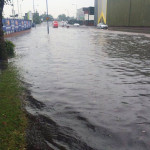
(56, 7)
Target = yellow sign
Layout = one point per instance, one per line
(47, 18)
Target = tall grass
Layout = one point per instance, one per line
(13, 121)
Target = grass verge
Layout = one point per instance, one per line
(13, 121)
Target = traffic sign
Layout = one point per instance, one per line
(47, 18)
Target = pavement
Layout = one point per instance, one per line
(145, 30)
(16, 33)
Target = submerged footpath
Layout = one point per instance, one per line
(143, 30)
(13, 120)
(16, 33)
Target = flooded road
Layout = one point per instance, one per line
(89, 89)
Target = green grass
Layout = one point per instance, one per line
(13, 121)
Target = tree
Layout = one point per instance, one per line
(62, 17)
(36, 18)
(3, 52)
(44, 16)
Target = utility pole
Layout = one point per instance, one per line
(33, 7)
(67, 12)
(21, 11)
(76, 9)
(13, 11)
(18, 7)
(33, 12)
(47, 17)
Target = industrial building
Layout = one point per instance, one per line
(89, 16)
(123, 12)
(86, 14)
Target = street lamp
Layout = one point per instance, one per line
(13, 11)
(33, 7)
(18, 8)
(47, 17)
(67, 12)
(76, 9)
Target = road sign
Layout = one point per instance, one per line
(47, 18)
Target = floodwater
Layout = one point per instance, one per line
(88, 89)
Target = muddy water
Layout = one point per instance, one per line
(89, 89)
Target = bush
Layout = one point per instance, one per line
(10, 47)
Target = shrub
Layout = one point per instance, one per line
(10, 47)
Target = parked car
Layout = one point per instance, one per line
(102, 26)
(55, 24)
(76, 25)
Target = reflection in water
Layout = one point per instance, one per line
(89, 89)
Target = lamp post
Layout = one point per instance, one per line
(33, 7)
(21, 11)
(67, 12)
(13, 11)
(76, 9)
(18, 7)
(47, 17)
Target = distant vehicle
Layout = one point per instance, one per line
(67, 25)
(102, 26)
(33, 25)
(55, 24)
(76, 25)
(64, 23)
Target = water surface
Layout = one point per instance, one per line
(89, 88)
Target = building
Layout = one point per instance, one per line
(122, 12)
(29, 16)
(89, 15)
(80, 14)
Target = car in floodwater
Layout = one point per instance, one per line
(76, 24)
(64, 24)
(55, 24)
(102, 26)
(67, 25)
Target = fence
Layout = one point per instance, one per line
(15, 25)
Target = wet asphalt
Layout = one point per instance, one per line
(87, 89)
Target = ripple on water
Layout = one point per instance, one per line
(89, 89)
